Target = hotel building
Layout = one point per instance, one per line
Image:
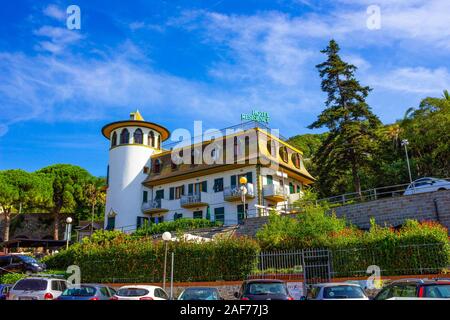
(200, 179)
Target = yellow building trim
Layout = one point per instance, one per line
(107, 129)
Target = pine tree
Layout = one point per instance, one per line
(352, 126)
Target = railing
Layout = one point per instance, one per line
(230, 192)
(275, 190)
(379, 193)
(191, 199)
(155, 204)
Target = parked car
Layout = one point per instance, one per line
(4, 291)
(20, 263)
(200, 293)
(140, 292)
(416, 288)
(427, 184)
(38, 288)
(336, 291)
(265, 289)
(88, 292)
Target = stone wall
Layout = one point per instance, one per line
(430, 206)
(32, 226)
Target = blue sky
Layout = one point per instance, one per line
(180, 61)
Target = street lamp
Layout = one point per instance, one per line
(243, 188)
(166, 236)
(405, 143)
(68, 230)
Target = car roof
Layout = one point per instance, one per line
(263, 280)
(138, 286)
(335, 284)
(200, 288)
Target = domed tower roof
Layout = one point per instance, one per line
(136, 120)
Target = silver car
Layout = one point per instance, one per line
(37, 288)
(427, 184)
(336, 291)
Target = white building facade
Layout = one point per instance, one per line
(144, 184)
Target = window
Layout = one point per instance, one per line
(241, 212)
(159, 194)
(233, 181)
(138, 136)
(145, 170)
(269, 179)
(235, 148)
(124, 137)
(158, 142)
(177, 216)
(198, 214)
(107, 175)
(145, 196)
(141, 222)
(247, 147)
(114, 139)
(269, 145)
(296, 160)
(172, 193)
(218, 185)
(111, 223)
(219, 214)
(299, 188)
(156, 166)
(284, 154)
(179, 191)
(291, 188)
(151, 139)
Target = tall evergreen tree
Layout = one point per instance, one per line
(353, 127)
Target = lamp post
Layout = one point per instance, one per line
(243, 188)
(405, 143)
(68, 231)
(166, 236)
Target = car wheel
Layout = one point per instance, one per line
(441, 189)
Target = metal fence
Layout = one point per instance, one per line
(376, 193)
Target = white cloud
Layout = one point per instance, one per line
(55, 12)
(414, 80)
(57, 39)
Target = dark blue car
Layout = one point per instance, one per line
(4, 289)
(88, 292)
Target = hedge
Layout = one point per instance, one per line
(182, 224)
(142, 260)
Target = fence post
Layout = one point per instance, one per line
(375, 193)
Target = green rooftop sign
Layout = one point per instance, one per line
(256, 116)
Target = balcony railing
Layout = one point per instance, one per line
(153, 206)
(234, 193)
(192, 200)
(275, 193)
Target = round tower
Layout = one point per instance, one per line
(132, 142)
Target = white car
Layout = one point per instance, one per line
(336, 291)
(37, 288)
(427, 184)
(140, 292)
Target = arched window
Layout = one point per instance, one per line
(114, 139)
(284, 154)
(235, 148)
(269, 145)
(124, 137)
(151, 139)
(138, 136)
(158, 142)
(296, 160)
(156, 166)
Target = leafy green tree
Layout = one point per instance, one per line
(95, 196)
(68, 184)
(21, 190)
(352, 138)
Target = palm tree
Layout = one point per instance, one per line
(446, 95)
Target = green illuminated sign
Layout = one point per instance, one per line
(256, 116)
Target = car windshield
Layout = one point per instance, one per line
(199, 294)
(28, 259)
(79, 292)
(262, 288)
(437, 291)
(132, 292)
(31, 285)
(343, 292)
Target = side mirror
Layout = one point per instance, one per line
(236, 294)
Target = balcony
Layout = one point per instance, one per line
(234, 193)
(153, 207)
(275, 193)
(192, 201)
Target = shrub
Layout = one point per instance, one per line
(182, 224)
(141, 260)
